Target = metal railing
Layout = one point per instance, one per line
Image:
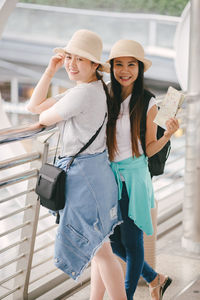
(27, 231)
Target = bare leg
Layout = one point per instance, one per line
(111, 273)
(97, 290)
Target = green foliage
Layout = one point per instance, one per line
(164, 7)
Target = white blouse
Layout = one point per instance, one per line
(123, 131)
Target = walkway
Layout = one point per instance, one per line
(182, 267)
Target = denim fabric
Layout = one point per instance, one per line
(90, 214)
(127, 243)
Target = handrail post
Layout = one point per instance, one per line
(28, 233)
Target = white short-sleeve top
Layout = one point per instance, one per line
(123, 131)
(83, 109)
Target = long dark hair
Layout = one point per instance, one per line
(100, 77)
(136, 106)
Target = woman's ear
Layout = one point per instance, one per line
(95, 65)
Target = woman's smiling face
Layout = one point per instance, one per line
(79, 68)
(126, 70)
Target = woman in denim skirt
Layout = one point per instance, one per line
(91, 210)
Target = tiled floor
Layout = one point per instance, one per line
(192, 291)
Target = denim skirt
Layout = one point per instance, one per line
(90, 214)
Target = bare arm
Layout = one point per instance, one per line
(49, 117)
(39, 101)
(152, 144)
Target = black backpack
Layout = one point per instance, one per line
(156, 162)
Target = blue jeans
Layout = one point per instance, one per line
(127, 243)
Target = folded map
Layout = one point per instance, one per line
(169, 106)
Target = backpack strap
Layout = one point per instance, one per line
(147, 97)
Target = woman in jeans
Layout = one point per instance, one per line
(130, 165)
(91, 209)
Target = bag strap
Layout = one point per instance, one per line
(83, 148)
(147, 95)
(87, 144)
(54, 159)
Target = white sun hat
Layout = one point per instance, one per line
(87, 44)
(124, 48)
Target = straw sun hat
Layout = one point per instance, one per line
(129, 48)
(87, 44)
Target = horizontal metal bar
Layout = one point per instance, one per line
(13, 245)
(77, 287)
(169, 213)
(44, 216)
(171, 174)
(42, 262)
(52, 283)
(48, 229)
(19, 160)
(168, 185)
(43, 275)
(124, 15)
(15, 228)
(13, 260)
(167, 197)
(3, 296)
(11, 277)
(17, 195)
(19, 133)
(167, 175)
(44, 247)
(172, 226)
(18, 178)
(15, 212)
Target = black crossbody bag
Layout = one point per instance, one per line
(51, 182)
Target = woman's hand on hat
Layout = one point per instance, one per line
(55, 63)
(172, 125)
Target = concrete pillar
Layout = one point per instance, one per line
(191, 207)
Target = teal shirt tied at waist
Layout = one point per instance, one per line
(140, 190)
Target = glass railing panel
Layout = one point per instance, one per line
(27, 22)
(165, 35)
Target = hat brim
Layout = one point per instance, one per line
(147, 63)
(103, 67)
